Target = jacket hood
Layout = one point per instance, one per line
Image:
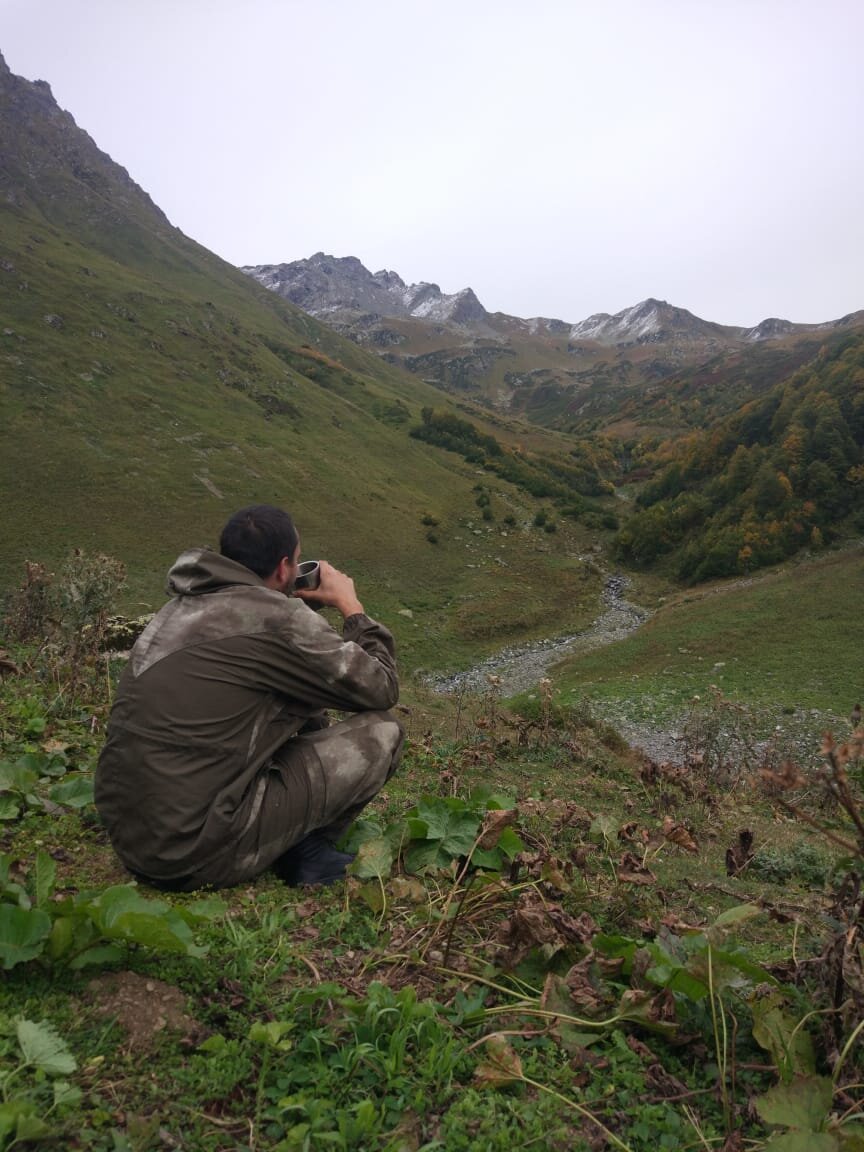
(199, 570)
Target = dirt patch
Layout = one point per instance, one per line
(144, 1008)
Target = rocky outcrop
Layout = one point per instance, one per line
(326, 285)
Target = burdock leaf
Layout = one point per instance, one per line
(372, 894)
(374, 860)
(803, 1142)
(23, 932)
(31, 1127)
(501, 1066)
(737, 915)
(44, 1049)
(73, 792)
(9, 808)
(425, 856)
(804, 1103)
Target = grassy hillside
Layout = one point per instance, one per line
(147, 389)
(779, 643)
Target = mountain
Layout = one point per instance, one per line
(324, 286)
(147, 389)
(575, 376)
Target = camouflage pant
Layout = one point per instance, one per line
(317, 780)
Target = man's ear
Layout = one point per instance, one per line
(282, 575)
(286, 571)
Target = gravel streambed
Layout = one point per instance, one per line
(520, 667)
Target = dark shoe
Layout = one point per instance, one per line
(312, 861)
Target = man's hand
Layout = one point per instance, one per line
(336, 590)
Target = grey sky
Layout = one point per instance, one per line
(562, 158)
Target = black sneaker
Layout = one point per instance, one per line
(312, 861)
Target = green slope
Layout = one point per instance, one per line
(779, 641)
(147, 389)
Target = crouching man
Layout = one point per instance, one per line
(219, 761)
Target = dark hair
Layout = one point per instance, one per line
(259, 536)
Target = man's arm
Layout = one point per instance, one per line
(356, 671)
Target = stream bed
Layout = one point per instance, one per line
(520, 667)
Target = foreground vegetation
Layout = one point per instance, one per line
(548, 942)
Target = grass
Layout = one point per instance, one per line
(175, 390)
(408, 1012)
(779, 643)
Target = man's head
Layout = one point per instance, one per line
(264, 539)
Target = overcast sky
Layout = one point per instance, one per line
(561, 157)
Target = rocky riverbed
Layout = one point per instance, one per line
(520, 667)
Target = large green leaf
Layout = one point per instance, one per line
(374, 860)
(804, 1103)
(678, 979)
(426, 856)
(44, 1048)
(360, 831)
(73, 791)
(444, 814)
(803, 1142)
(460, 833)
(16, 777)
(23, 932)
(100, 954)
(510, 843)
(122, 913)
(65, 932)
(65, 1094)
(10, 809)
(732, 917)
(491, 858)
(17, 1118)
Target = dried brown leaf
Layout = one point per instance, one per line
(537, 924)
(676, 833)
(494, 823)
(632, 871)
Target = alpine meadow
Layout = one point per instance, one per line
(613, 897)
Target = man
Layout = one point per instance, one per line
(219, 762)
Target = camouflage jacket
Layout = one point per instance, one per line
(224, 674)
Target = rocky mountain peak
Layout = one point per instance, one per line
(649, 321)
(769, 329)
(324, 285)
(389, 280)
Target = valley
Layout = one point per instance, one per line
(612, 897)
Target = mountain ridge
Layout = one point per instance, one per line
(324, 284)
(574, 377)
